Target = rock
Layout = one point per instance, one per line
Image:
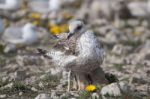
(10, 48)
(42, 96)
(28, 60)
(18, 75)
(20, 93)
(112, 59)
(138, 8)
(133, 22)
(119, 49)
(31, 80)
(8, 86)
(54, 96)
(41, 85)
(115, 90)
(64, 95)
(95, 96)
(3, 96)
(34, 89)
(111, 35)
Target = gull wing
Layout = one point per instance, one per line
(13, 35)
(65, 45)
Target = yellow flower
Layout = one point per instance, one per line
(57, 29)
(35, 16)
(90, 88)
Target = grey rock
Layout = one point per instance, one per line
(133, 22)
(115, 89)
(54, 95)
(42, 96)
(8, 86)
(3, 96)
(18, 75)
(34, 89)
(95, 96)
(119, 49)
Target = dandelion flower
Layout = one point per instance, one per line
(57, 29)
(90, 88)
(34, 16)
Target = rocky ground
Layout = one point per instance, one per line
(26, 75)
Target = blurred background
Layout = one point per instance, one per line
(122, 27)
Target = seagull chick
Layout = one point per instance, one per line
(85, 64)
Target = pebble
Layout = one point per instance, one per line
(42, 96)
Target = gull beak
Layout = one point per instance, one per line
(70, 34)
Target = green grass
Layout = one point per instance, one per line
(50, 81)
(84, 95)
(119, 66)
(134, 44)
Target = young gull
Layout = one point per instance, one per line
(85, 64)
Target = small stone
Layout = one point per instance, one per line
(115, 89)
(54, 96)
(3, 96)
(10, 85)
(95, 96)
(34, 89)
(119, 49)
(42, 96)
(41, 85)
(20, 93)
(18, 75)
(133, 22)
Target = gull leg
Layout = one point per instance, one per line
(78, 83)
(82, 85)
(69, 73)
(75, 83)
(81, 82)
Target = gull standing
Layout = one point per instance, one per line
(26, 35)
(85, 64)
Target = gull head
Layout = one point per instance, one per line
(29, 27)
(76, 28)
(30, 33)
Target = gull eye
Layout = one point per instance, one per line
(79, 27)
